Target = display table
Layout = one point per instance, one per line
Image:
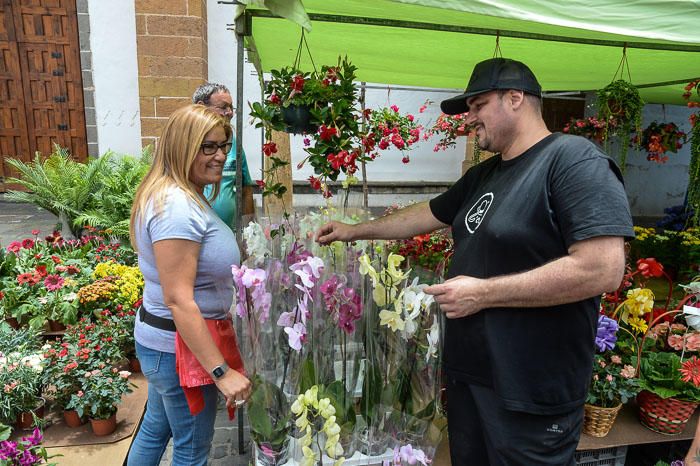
(627, 430)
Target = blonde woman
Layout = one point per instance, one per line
(185, 254)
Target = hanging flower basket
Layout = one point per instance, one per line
(666, 416)
(298, 119)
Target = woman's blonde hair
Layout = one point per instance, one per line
(176, 151)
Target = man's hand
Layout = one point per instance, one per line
(335, 231)
(459, 296)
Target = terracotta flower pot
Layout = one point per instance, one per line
(71, 418)
(134, 365)
(56, 326)
(14, 323)
(104, 426)
(25, 419)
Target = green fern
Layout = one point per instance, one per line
(98, 193)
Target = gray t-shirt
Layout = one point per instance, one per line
(182, 218)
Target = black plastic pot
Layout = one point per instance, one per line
(298, 119)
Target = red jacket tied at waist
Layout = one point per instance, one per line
(191, 373)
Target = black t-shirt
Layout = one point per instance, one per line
(510, 216)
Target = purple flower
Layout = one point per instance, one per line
(678, 463)
(606, 337)
(34, 439)
(28, 458)
(8, 450)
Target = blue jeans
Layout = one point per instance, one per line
(167, 415)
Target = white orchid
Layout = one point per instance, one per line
(256, 243)
(433, 340)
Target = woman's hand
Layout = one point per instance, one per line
(235, 387)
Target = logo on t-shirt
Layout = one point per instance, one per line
(478, 211)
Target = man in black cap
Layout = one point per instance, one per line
(539, 235)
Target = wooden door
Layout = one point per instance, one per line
(42, 79)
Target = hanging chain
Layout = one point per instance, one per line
(303, 45)
(497, 51)
(624, 63)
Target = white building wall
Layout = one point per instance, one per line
(115, 75)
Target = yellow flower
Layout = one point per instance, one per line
(639, 301)
(394, 261)
(638, 324)
(391, 319)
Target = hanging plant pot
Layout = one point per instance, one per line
(101, 427)
(297, 119)
(71, 418)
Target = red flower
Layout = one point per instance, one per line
(28, 278)
(260, 183)
(649, 267)
(315, 183)
(275, 99)
(56, 259)
(2, 295)
(298, 84)
(691, 371)
(14, 246)
(395, 108)
(28, 243)
(327, 133)
(53, 282)
(41, 270)
(72, 269)
(269, 148)
(35, 232)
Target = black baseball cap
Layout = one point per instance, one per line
(492, 74)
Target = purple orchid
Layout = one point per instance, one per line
(342, 302)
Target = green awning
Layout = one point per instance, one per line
(410, 42)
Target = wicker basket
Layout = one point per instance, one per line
(666, 416)
(598, 421)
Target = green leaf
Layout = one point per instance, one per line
(308, 375)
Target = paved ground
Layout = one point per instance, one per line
(17, 222)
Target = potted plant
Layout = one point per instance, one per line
(21, 377)
(591, 128)
(334, 138)
(387, 127)
(101, 391)
(658, 139)
(620, 100)
(448, 128)
(612, 382)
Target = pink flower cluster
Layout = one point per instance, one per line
(253, 279)
(448, 127)
(307, 270)
(677, 336)
(342, 302)
(387, 127)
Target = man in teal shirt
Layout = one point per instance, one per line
(218, 98)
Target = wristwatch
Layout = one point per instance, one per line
(219, 371)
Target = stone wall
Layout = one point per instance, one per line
(171, 39)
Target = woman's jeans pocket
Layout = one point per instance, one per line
(149, 359)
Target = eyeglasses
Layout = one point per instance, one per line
(223, 110)
(210, 148)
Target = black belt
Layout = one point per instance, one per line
(155, 321)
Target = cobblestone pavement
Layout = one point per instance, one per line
(224, 447)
